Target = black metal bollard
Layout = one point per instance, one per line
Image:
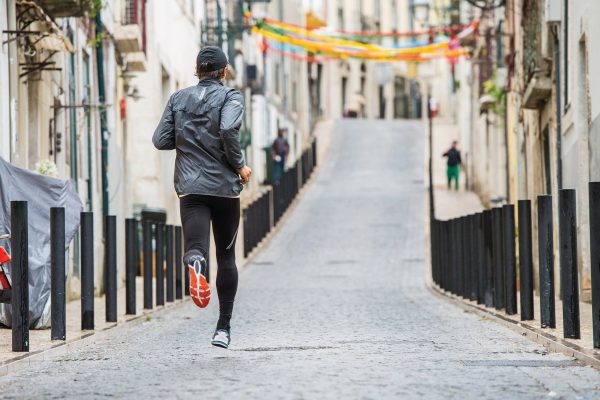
(87, 271)
(147, 239)
(455, 257)
(595, 258)
(57, 271)
(488, 259)
(474, 252)
(19, 244)
(480, 245)
(439, 256)
(447, 256)
(159, 263)
(110, 267)
(525, 260)
(567, 239)
(130, 264)
(459, 256)
(498, 259)
(169, 257)
(466, 270)
(178, 263)
(510, 267)
(546, 254)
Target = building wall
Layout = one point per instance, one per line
(170, 64)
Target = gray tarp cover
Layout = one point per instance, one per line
(41, 192)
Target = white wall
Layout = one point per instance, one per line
(173, 44)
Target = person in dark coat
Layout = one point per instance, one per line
(453, 166)
(279, 151)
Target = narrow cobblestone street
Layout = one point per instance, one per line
(335, 306)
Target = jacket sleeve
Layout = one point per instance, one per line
(232, 113)
(164, 135)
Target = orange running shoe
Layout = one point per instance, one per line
(199, 288)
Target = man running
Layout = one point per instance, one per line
(202, 123)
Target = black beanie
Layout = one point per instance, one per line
(212, 55)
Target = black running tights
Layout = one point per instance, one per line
(197, 212)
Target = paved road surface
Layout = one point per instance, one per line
(335, 307)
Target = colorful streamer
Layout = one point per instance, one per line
(292, 40)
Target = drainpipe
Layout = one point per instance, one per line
(103, 129)
(559, 181)
(13, 89)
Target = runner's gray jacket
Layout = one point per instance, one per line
(202, 124)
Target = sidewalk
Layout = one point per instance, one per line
(451, 204)
(39, 340)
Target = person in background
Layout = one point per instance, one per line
(279, 151)
(453, 168)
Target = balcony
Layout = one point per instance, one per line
(128, 38)
(538, 91)
(136, 62)
(64, 8)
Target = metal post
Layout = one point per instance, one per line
(510, 267)
(466, 270)
(461, 254)
(130, 265)
(19, 244)
(87, 270)
(567, 239)
(498, 262)
(474, 251)
(546, 262)
(454, 256)
(147, 243)
(178, 263)
(480, 245)
(169, 270)
(595, 258)
(159, 264)
(110, 267)
(57, 274)
(447, 255)
(488, 264)
(525, 260)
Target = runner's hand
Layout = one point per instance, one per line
(245, 173)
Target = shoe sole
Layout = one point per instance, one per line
(199, 288)
(220, 344)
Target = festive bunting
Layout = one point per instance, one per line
(294, 41)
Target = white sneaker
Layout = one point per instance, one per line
(221, 338)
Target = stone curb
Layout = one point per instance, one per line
(537, 335)
(550, 342)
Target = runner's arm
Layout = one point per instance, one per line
(231, 121)
(164, 135)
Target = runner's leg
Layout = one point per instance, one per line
(225, 220)
(195, 222)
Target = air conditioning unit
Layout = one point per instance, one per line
(553, 11)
